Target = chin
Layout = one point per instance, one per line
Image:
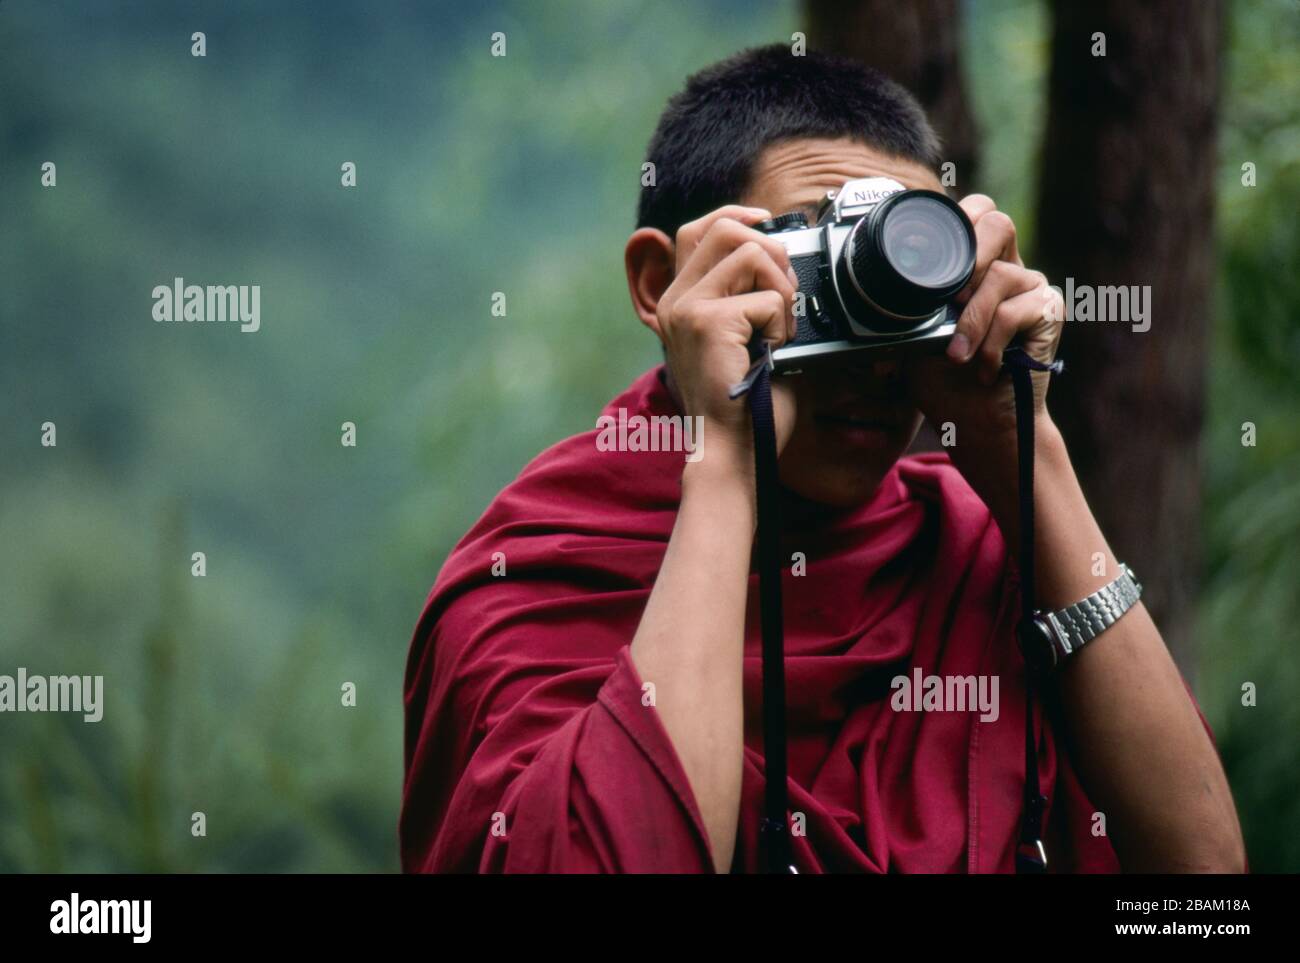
(842, 467)
(833, 483)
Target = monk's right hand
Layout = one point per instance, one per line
(731, 282)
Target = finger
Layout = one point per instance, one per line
(976, 206)
(691, 233)
(1003, 280)
(764, 310)
(995, 240)
(725, 235)
(747, 268)
(1023, 312)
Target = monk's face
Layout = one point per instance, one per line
(852, 422)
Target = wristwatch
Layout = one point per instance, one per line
(1066, 630)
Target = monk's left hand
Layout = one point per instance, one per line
(965, 387)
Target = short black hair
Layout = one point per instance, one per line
(712, 132)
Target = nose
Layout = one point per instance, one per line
(881, 372)
(868, 364)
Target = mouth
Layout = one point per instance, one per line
(856, 421)
(859, 428)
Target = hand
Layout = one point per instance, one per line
(730, 282)
(1004, 301)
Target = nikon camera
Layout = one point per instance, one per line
(877, 272)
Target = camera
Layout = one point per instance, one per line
(877, 272)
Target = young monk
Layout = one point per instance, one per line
(583, 689)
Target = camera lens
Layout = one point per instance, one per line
(909, 256)
(925, 242)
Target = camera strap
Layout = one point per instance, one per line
(1031, 856)
(774, 830)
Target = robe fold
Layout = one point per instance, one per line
(532, 744)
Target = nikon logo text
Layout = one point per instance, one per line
(130, 916)
(216, 302)
(869, 196)
(656, 433)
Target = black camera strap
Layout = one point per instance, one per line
(1031, 856)
(774, 829)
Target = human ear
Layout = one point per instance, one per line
(650, 260)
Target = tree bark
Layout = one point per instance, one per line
(1126, 197)
(918, 44)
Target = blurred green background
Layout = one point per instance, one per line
(474, 174)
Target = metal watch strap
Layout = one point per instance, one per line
(1083, 621)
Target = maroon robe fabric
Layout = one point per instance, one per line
(529, 748)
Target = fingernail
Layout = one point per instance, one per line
(959, 347)
(794, 278)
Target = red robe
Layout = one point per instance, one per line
(529, 748)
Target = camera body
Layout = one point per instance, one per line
(877, 272)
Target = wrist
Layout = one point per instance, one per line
(999, 485)
(723, 477)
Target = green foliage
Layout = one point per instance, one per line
(1250, 616)
(474, 175)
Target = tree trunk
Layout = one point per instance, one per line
(1126, 198)
(918, 44)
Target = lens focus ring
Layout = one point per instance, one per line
(911, 253)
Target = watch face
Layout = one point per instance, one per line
(1036, 642)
